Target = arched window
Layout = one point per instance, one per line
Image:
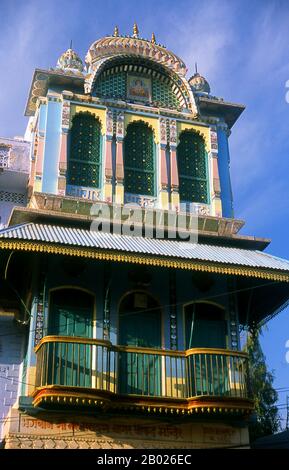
(139, 161)
(192, 166)
(85, 149)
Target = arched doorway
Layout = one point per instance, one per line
(70, 314)
(139, 327)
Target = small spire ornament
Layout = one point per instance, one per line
(153, 40)
(135, 31)
(116, 32)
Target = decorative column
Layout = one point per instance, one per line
(65, 122)
(52, 143)
(234, 340)
(119, 171)
(224, 170)
(33, 153)
(39, 145)
(174, 174)
(108, 173)
(216, 187)
(163, 182)
(173, 309)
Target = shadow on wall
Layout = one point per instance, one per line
(11, 341)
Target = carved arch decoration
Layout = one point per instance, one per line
(179, 83)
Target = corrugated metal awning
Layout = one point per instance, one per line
(179, 251)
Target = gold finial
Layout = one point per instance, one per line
(135, 31)
(116, 32)
(153, 40)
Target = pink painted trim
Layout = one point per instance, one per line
(174, 168)
(215, 168)
(119, 160)
(32, 174)
(39, 156)
(164, 168)
(63, 151)
(108, 158)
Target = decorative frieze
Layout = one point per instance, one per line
(65, 118)
(4, 155)
(173, 133)
(163, 131)
(84, 192)
(214, 139)
(120, 125)
(143, 201)
(109, 122)
(195, 208)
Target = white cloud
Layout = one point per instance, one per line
(195, 34)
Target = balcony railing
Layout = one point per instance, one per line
(96, 365)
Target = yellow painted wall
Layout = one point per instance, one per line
(152, 122)
(97, 112)
(204, 131)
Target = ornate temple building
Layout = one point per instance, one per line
(125, 274)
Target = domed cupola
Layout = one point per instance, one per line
(199, 84)
(70, 61)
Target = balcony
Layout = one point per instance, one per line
(87, 373)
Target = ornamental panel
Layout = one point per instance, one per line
(4, 155)
(139, 83)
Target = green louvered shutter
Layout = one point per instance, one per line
(139, 161)
(84, 158)
(192, 166)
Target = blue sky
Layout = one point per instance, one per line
(241, 47)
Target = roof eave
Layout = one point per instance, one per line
(229, 111)
(49, 76)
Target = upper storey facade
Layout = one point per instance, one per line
(130, 127)
(14, 175)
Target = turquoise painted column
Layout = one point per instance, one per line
(224, 171)
(52, 145)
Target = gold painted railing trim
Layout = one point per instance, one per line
(150, 260)
(132, 349)
(205, 404)
(72, 339)
(82, 392)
